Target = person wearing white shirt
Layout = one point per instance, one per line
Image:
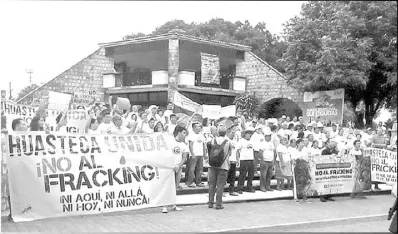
(314, 151)
(267, 156)
(180, 152)
(341, 141)
(106, 126)
(257, 139)
(117, 127)
(283, 132)
(172, 124)
(308, 130)
(335, 132)
(318, 135)
(245, 153)
(149, 128)
(302, 154)
(168, 112)
(282, 153)
(197, 148)
(153, 113)
(357, 153)
(234, 162)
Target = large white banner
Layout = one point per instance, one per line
(187, 104)
(63, 175)
(211, 111)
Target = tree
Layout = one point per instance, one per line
(267, 46)
(350, 45)
(246, 102)
(26, 90)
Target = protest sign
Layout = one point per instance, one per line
(76, 120)
(228, 111)
(328, 105)
(383, 165)
(13, 111)
(58, 101)
(210, 68)
(211, 111)
(324, 175)
(59, 175)
(85, 97)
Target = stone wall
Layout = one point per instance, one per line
(86, 74)
(264, 80)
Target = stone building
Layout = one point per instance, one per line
(148, 70)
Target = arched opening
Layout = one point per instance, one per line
(277, 107)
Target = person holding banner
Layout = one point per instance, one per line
(180, 153)
(378, 141)
(360, 171)
(333, 152)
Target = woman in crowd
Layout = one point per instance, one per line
(37, 124)
(303, 154)
(292, 151)
(158, 127)
(314, 149)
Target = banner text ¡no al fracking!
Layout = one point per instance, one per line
(61, 175)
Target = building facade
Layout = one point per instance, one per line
(149, 70)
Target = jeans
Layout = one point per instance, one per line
(358, 189)
(246, 168)
(195, 168)
(217, 180)
(256, 160)
(231, 177)
(265, 174)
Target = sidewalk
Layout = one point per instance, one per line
(200, 218)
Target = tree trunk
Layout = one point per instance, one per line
(359, 124)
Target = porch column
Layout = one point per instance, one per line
(173, 66)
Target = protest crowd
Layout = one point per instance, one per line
(254, 147)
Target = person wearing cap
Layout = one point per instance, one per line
(282, 153)
(283, 132)
(318, 135)
(218, 175)
(153, 113)
(257, 139)
(245, 154)
(267, 156)
(309, 130)
(197, 143)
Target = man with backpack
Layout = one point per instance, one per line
(219, 151)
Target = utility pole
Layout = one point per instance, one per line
(30, 72)
(10, 90)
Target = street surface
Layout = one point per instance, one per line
(343, 215)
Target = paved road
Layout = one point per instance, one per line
(237, 216)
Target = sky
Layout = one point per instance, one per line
(50, 37)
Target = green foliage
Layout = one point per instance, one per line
(264, 44)
(246, 102)
(350, 45)
(26, 90)
(277, 107)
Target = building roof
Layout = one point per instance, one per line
(176, 34)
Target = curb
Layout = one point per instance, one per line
(369, 193)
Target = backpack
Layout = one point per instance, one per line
(216, 154)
